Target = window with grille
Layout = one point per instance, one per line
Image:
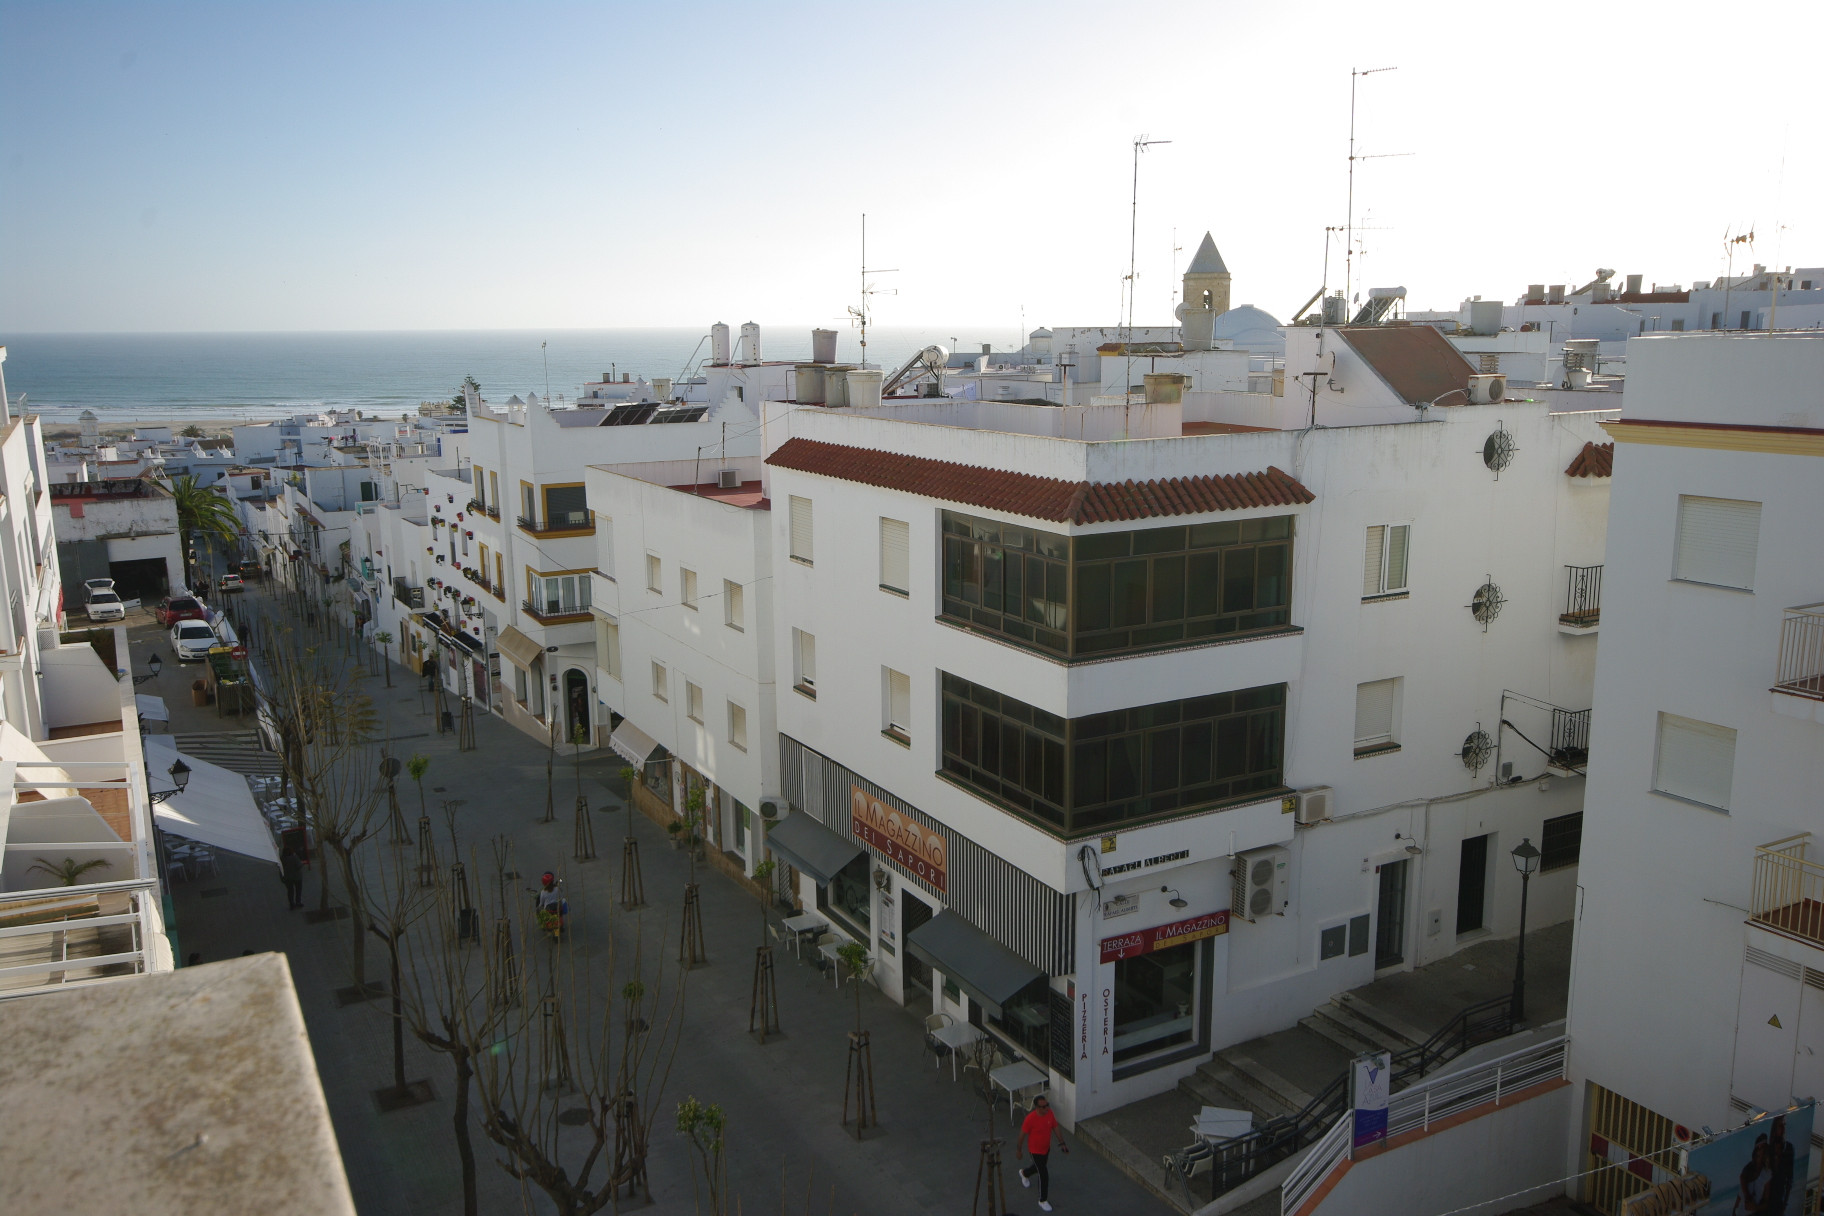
(659, 681)
(687, 588)
(653, 573)
(1376, 704)
(732, 610)
(896, 703)
(804, 662)
(1717, 539)
(1560, 841)
(1694, 761)
(693, 702)
(1384, 562)
(801, 529)
(737, 735)
(894, 561)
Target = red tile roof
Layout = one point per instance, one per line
(1596, 460)
(1051, 498)
(1417, 361)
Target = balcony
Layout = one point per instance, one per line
(1570, 739)
(546, 615)
(1799, 679)
(1788, 894)
(1582, 600)
(570, 523)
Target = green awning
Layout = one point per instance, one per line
(975, 962)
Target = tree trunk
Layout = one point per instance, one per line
(386, 664)
(460, 1119)
(357, 919)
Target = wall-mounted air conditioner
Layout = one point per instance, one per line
(1262, 884)
(728, 479)
(1487, 390)
(1312, 805)
(771, 808)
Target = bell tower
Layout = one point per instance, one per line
(1206, 295)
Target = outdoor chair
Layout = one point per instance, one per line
(827, 939)
(204, 862)
(933, 1024)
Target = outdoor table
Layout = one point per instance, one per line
(804, 925)
(1016, 1077)
(829, 951)
(958, 1038)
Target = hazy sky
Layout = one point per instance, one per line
(257, 165)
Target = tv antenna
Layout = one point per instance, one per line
(858, 314)
(1355, 75)
(1729, 244)
(1141, 144)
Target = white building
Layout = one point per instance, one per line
(123, 530)
(1699, 938)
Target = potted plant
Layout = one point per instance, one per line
(69, 871)
(674, 829)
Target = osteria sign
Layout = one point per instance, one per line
(915, 848)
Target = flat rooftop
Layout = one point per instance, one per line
(748, 494)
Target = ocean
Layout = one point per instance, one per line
(126, 378)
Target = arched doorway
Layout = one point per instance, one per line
(576, 699)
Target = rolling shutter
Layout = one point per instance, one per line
(801, 528)
(1696, 760)
(1374, 713)
(899, 701)
(1371, 560)
(894, 543)
(1717, 538)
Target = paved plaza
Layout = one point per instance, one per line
(787, 1149)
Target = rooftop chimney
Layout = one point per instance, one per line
(823, 346)
(1634, 284)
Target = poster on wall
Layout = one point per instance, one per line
(1756, 1170)
(1370, 1079)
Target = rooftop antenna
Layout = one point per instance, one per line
(1141, 144)
(1355, 75)
(858, 315)
(547, 357)
(1176, 250)
(1729, 244)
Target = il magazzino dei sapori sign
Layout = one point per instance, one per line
(1145, 941)
(915, 848)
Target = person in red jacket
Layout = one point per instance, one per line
(1036, 1132)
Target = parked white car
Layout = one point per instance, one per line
(191, 640)
(105, 606)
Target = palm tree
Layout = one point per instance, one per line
(205, 511)
(69, 871)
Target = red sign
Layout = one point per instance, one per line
(1145, 941)
(917, 849)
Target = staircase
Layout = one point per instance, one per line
(239, 751)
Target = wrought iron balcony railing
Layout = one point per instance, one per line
(1582, 596)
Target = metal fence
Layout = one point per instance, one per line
(1418, 1106)
(58, 936)
(1788, 888)
(1582, 595)
(1801, 670)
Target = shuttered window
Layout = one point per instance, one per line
(894, 543)
(693, 702)
(801, 528)
(804, 661)
(732, 611)
(608, 646)
(687, 588)
(737, 735)
(1384, 559)
(652, 572)
(1374, 714)
(1695, 760)
(1717, 538)
(658, 681)
(898, 690)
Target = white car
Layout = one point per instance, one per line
(105, 606)
(92, 585)
(192, 640)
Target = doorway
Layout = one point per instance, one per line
(913, 912)
(576, 699)
(1472, 884)
(1390, 915)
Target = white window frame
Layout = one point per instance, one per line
(804, 662)
(896, 705)
(1381, 546)
(660, 682)
(655, 574)
(895, 556)
(733, 605)
(693, 702)
(1680, 745)
(1387, 692)
(1716, 541)
(737, 726)
(800, 526)
(687, 588)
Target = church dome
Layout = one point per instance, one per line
(1251, 328)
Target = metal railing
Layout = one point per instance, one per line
(1233, 1162)
(1417, 1106)
(1570, 737)
(1788, 889)
(74, 935)
(1582, 596)
(1801, 670)
(578, 522)
(545, 615)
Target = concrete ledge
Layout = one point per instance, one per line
(1125, 1156)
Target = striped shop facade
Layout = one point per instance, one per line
(997, 897)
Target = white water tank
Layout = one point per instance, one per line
(1485, 316)
(823, 346)
(750, 342)
(718, 343)
(807, 383)
(836, 386)
(864, 386)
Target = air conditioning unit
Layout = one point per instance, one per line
(728, 479)
(1487, 390)
(1262, 887)
(1310, 806)
(771, 808)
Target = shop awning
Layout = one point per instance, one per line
(975, 962)
(811, 847)
(216, 806)
(518, 647)
(633, 743)
(151, 708)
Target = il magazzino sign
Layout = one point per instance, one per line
(912, 846)
(1160, 937)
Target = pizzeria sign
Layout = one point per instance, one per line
(1162, 937)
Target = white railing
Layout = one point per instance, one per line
(50, 954)
(1416, 1107)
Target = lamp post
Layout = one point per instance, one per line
(1526, 860)
(153, 665)
(180, 775)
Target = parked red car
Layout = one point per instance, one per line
(180, 608)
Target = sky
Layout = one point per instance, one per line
(269, 166)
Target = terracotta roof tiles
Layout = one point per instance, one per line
(1049, 498)
(1596, 460)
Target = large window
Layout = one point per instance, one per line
(1133, 590)
(558, 594)
(565, 507)
(1155, 1001)
(1128, 765)
(849, 898)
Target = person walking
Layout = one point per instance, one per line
(1036, 1132)
(291, 873)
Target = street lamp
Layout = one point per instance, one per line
(180, 775)
(1526, 860)
(154, 665)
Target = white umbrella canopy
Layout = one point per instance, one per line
(216, 806)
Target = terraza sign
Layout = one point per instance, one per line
(1160, 937)
(915, 848)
